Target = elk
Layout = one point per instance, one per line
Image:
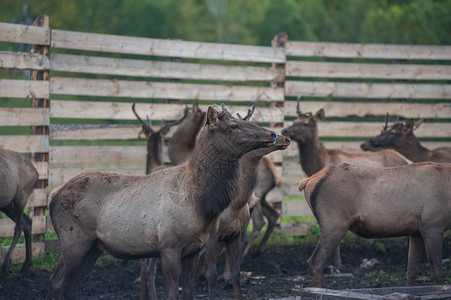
(234, 219)
(412, 200)
(400, 137)
(314, 156)
(182, 142)
(18, 177)
(171, 213)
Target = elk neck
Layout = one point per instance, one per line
(311, 155)
(413, 150)
(154, 153)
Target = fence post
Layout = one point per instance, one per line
(42, 21)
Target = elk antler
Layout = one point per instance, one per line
(176, 122)
(250, 112)
(298, 109)
(386, 122)
(223, 112)
(145, 126)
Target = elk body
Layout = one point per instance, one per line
(171, 213)
(18, 177)
(401, 138)
(314, 156)
(412, 200)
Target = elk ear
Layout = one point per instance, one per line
(417, 124)
(409, 125)
(319, 114)
(212, 116)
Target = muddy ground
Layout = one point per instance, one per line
(280, 271)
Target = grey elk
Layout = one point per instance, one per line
(412, 200)
(171, 213)
(400, 137)
(234, 219)
(314, 155)
(18, 177)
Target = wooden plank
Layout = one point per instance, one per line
(59, 176)
(330, 294)
(42, 167)
(12, 88)
(296, 208)
(162, 90)
(297, 228)
(97, 154)
(49, 227)
(18, 255)
(95, 132)
(368, 90)
(37, 198)
(122, 111)
(166, 48)
(370, 129)
(25, 34)
(23, 61)
(7, 226)
(24, 116)
(374, 71)
(161, 69)
(383, 51)
(25, 143)
(346, 109)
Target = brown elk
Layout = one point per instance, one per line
(171, 213)
(18, 177)
(234, 219)
(412, 200)
(401, 138)
(314, 156)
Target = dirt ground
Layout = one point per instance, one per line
(280, 271)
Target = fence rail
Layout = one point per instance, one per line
(91, 91)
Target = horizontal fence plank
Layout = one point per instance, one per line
(295, 208)
(96, 132)
(162, 69)
(38, 198)
(24, 116)
(373, 71)
(25, 34)
(382, 51)
(25, 143)
(370, 129)
(368, 90)
(24, 61)
(162, 90)
(7, 226)
(18, 255)
(346, 109)
(43, 169)
(123, 111)
(166, 48)
(23, 88)
(59, 176)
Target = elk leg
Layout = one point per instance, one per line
(233, 260)
(189, 268)
(147, 276)
(15, 213)
(26, 225)
(338, 265)
(433, 241)
(416, 248)
(171, 262)
(258, 221)
(272, 216)
(211, 255)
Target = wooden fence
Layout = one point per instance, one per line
(94, 79)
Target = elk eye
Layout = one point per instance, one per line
(234, 126)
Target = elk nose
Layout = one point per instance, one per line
(284, 132)
(288, 140)
(273, 135)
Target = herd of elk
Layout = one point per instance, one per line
(411, 200)
(171, 213)
(314, 156)
(18, 177)
(400, 137)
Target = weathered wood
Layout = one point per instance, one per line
(161, 69)
(165, 90)
(296, 208)
(330, 294)
(373, 71)
(7, 226)
(23, 61)
(166, 48)
(122, 111)
(96, 132)
(25, 143)
(59, 176)
(12, 88)
(297, 228)
(346, 109)
(18, 255)
(42, 167)
(368, 90)
(49, 226)
(413, 290)
(24, 34)
(371, 129)
(37, 198)
(97, 154)
(383, 51)
(24, 116)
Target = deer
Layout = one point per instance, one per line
(372, 202)
(154, 161)
(234, 219)
(171, 213)
(400, 137)
(18, 177)
(314, 155)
